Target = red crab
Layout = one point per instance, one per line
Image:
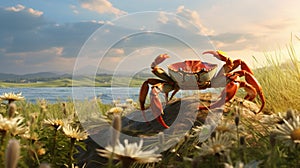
(195, 75)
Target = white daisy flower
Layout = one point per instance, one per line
(13, 125)
(289, 131)
(218, 144)
(75, 133)
(11, 97)
(130, 151)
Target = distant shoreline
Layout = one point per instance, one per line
(50, 80)
(17, 85)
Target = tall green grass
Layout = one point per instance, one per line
(281, 80)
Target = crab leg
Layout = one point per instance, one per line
(156, 106)
(250, 79)
(159, 72)
(230, 65)
(243, 65)
(251, 86)
(159, 59)
(251, 91)
(174, 92)
(144, 91)
(226, 95)
(229, 92)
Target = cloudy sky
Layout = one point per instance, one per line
(118, 36)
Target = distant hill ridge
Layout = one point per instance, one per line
(46, 76)
(30, 76)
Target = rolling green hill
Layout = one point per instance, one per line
(54, 80)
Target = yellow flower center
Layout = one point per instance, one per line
(295, 135)
(217, 148)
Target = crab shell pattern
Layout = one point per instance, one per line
(192, 74)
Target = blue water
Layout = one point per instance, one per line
(106, 94)
(54, 94)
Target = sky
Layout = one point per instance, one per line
(90, 36)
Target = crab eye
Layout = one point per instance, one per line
(180, 69)
(203, 69)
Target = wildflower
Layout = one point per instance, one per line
(16, 126)
(30, 136)
(239, 164)
(115, 110)
(11, 97)
(36, 148)
(276, 118)
(130, 152)
(12, 153)
(4, 124)
(197, 129)
(115, 102)
(219, 144)
(75, 133)
(41, 151)
(289, 131)
(290, 114)
(223, 127)
(55, 123)
(226, 127)
(33, 118)
(129, 101)
(13, 125)
(43, 105)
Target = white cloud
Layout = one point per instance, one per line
(49, 59)
(101, 6)
(185, 15)
(20, 7)
(163, 18)
(103, 22)
(35, 12)
(194, 17)
(57, 51)
(16, 8)
(117, 52)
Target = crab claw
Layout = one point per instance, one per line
(143, 94)
(218, 54)
(156, 106)
(159, 59)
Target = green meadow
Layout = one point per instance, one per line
(85, 81)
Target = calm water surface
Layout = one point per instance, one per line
(106, 94)
(53, 94)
